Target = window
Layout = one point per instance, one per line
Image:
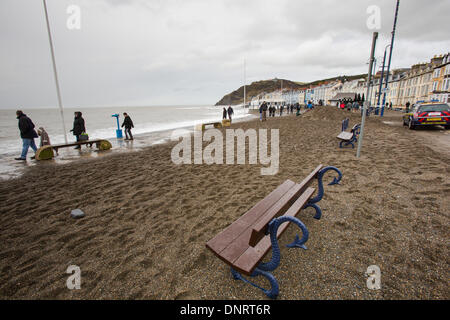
(437, 73)
(446, 84)
(435, 84)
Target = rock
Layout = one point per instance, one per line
(77, 213)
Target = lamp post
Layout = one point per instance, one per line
(390, 57)
(382, 75)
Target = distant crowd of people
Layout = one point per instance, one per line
(356, 104)
(273, 109)
(28, 134)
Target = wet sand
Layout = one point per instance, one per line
(147, 220)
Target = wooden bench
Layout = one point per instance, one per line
(349, 138)
(245, 242)
(201, 127)
(46, 152)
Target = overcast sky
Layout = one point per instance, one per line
(174, 52)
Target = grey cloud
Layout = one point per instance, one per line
(174, 51)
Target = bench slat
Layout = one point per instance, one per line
(345, 135)
(248, 261)
(260, 227)
(232, 232)
(239, 245)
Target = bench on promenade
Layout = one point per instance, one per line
(245, 242)
(201, 127)
(46, 152)
(349, 138)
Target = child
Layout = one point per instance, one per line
(45, 140)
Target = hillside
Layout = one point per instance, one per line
(237, 96)
(257, 87)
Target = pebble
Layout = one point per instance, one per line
(77, 213)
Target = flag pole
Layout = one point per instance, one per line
(245, 80)
(58, 93)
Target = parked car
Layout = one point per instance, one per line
(428, 114)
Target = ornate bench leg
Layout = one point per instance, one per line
(274, 290)
(318, 214)
(264, 268)
(276, 254)
(313, 202)
(343, 144)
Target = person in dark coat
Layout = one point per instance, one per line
(407, 107)
(224, 114)
(128, 123)
(78, 127)
(230, 112)
(27, 133)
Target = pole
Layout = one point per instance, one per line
(382, 77)
(58, 93)
(390, 57)
(281, 95)
(369, 79)
(381, 81)
(372, 84)
(245, 76)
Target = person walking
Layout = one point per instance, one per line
(355, 106)
(264, 112)
(27, 133)
(128, 123)
(78, 127)
(230, 112)
(224, 113)
(407, 107)
(45, 140)
(261, 110)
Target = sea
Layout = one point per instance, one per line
(152, 125)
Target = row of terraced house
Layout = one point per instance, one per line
(422, 82)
